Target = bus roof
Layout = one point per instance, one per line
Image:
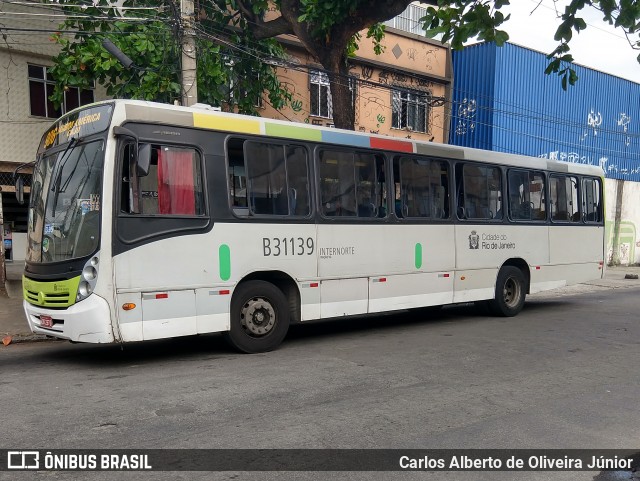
(198, 117)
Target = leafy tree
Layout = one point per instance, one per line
(460, 20)
(235, 37)
(329, 31)
(230, 71)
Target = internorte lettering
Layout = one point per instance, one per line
(329, 252)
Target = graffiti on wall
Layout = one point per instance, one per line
(623, 121)
(603, 162)
(466, 117)
(627, 242)
(594, 121)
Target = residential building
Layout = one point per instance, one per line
(401, 92)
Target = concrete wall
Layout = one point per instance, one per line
(623, 203)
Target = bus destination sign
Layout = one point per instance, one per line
(80, 124)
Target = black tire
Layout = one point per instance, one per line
(511, 290)
(259, 317)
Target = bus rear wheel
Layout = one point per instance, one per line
(510, 292)
(259, 317)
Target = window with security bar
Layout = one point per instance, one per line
(321, 104)
(410, 110)
(320, 93)
(41, 84)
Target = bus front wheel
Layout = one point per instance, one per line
(510, 292)
(259, 317)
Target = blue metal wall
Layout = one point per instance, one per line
(519, 109)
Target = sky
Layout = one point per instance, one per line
(600, 46)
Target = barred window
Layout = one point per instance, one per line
(410, 110)
(321, 104)
(41, 84)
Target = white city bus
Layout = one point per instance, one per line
(151, 221)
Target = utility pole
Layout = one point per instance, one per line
(189, 85)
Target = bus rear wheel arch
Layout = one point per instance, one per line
(259, 318)
(510, 292)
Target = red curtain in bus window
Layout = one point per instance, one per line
(175, 182)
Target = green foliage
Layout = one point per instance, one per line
(462, 20)
(459, 21)
(230, 72)
(323, 15)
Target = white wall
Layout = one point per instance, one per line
(629, 231)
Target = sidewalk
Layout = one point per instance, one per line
(12, 318)
(14, 323)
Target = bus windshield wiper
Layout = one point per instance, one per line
(55, 188)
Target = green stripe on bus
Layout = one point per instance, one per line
(300, 133)
(224, 254)
(418, 255)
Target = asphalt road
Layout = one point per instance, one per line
(563, 374)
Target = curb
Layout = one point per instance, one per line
(24, 338)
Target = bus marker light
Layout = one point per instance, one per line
(462, 278)
(444, 275)
(381, 279)
(129, 306)
(537, 268)
(222, 292)
(162, 296)
(314, 284)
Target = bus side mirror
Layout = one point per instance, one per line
(143, 162)
(20, 190)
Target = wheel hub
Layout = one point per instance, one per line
(258, 316)
(511, 292)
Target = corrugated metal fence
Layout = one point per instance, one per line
(503, 101)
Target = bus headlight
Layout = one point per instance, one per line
(89, 273)
(89, 278)
(84, 289)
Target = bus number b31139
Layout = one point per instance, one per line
(287, 246)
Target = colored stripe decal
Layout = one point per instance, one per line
(226, 123)
(345, 139)
(224, 257)
(292, 132)
(418, 255)
(388, 144)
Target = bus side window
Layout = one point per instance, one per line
(537, 196)
(173, 185)
(366, 171)
(480, 192)
(275, 179)
(299, 195)
(591, 204)
(526, 195)
(237, 178)
(423, 186)
(564, 198)
(337, 183)
(127, 196)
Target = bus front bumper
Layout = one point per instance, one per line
(87, 321)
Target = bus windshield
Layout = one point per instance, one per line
(64, 214)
